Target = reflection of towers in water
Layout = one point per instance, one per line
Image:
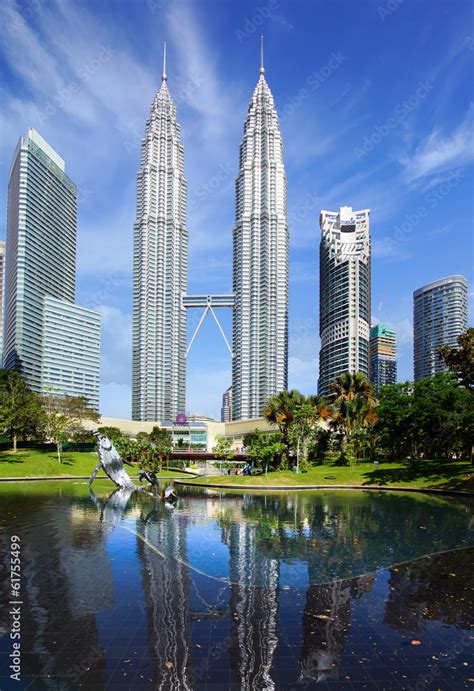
(66, 580)
(166, 584)
(253, 606)
(326, 622)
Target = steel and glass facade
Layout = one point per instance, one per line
(260, 261)
(40, 258)
(383, 356)
(160, 269)
(440, 315)
(71, 350)
(226, 410)
(345, 294)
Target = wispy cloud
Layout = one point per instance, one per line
(438, 154)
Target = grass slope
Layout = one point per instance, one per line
(457, 475)
(35, 463)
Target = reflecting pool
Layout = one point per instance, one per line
(311, 590)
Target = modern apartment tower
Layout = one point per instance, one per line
(226, 410)
(160, 267)
(41, 266)
(383, 356)
(260, 260)
(2, 288)
(439, 317)
(345, 288)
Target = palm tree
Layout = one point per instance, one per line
(280, 410)
(348, 386)
(354, 406)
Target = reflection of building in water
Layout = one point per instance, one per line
(66, 580)
(166, 584)
(431, 588)
(326, 621)
(253, 607)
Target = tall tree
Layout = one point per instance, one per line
(62, 416)
(280, 411)
(460, 360)
(20, 408)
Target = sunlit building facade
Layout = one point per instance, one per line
(345, 294)
(383, 356)
(160, 269)
(440, 314)
(260, 261)
(40, 269)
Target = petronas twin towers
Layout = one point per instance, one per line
(260, 264)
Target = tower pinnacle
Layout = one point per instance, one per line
(163, 76)
(262, 68)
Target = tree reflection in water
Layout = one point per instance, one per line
(253, 592)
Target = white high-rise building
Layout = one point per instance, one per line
(51, 351)
(260, 260)
(344, 295)
(160, 268)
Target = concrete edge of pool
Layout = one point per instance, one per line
(286, 488)
(72, 477)
(253, 488)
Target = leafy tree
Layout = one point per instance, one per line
(20, 408)
(112, 433)
(223, 449)
(432, 418)
(460, 360)
(161, 439)
(280, 411)
(61, 417)
(354, 409)
(264, 450)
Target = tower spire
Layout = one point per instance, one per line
(262, 68)
(163, 76)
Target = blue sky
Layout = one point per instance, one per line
(377, 111)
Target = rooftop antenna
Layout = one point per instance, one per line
(262, 68)
(163, 76)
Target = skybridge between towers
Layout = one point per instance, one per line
(209, 303)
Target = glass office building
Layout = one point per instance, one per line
(383, 356)
(40, 256)
(439, 317)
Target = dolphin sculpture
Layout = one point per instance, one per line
(110, 461)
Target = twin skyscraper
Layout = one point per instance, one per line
(260, 264)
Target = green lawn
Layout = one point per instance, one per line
(35, 463)
(435, 474)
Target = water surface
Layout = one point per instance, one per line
(323, 590)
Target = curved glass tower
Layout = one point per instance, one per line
(160, 268)
(260, 261)
(439, 317)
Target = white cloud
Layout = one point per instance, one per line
(439, 154)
